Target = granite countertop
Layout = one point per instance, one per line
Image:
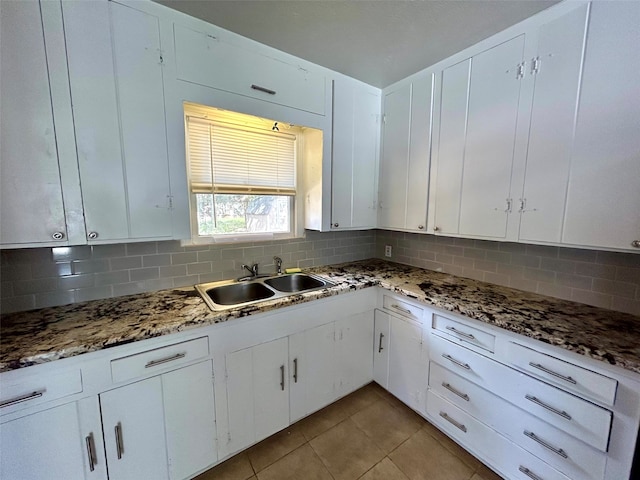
(39, 336)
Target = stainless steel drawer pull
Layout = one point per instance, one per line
(404, 310)
(295, 370)
(453, 422)
(282, 377)
(551, 372)
(263, 89)
(529, 473)
(88, 440)
(119, 443)
(22, 398)
(463, 396)
(153, 363)
(457, 362)
(458, 332)
(380, 343)
(562, 413)
(535, 438)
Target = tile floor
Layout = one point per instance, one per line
(368, 435)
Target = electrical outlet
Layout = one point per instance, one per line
(387, 250)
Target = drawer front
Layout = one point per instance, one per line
(582, 461)
(566, 375)
(463, 333)
(400, 307)
(14, 397)
(159, 359)
(580, 418)
(207, 60)
(494, 448)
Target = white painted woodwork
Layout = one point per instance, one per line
(190, 421)
(356, 113)
(31, 200)
(408, 373)
(46, 444)
(138, 409)
(91, 432)
(449, 163)
(603, 193)
(394, 157)
(381, 348)
(402, 307)
(240, 399)
(464, 334)
(553, 114)
(312, 370)
(353, 352)
(209, 58)
(494, 92)
(115, 68)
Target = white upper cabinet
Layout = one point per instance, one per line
(356, 114)
(115, 69)
(211, 59)
(603, 193)
(405, 155)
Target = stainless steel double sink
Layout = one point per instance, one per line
(229, 294)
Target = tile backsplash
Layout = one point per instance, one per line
(605, 279)
(41, 277)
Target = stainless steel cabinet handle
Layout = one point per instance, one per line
(548, 446)
(282, 377)
(119, 442)
(263, 89)
(22, 398)
(551, 372)
(295, 370)
(57, 235)
(463, 396)
(404, 310)
(458, 332)
(535, 400)
(453, 422)
(153, 363)
(457, 362)
(88, 440)
(529, 473)
(380, 343)
(420, 227)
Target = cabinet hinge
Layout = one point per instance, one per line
(520, 70)
(170, 197)
(384, 118)
(535, 65)
(228, 437)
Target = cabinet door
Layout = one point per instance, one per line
(354, 356)
(32, 210)
(134, 432)
(356, 110)
(394, 158)
(48, 444)
(604, 183)
(556, 72)
(408, 374)
(115, 69)
(190, 420)
(312, 370)
(494, 92)
(381, 349)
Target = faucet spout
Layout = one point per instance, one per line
(253, 269)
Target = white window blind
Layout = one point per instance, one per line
(238, 159)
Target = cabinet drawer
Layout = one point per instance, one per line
(400, 307)
(39, 390)
(586, 421)
(582, 461)
(492, 446)
(563, 374)
(462, 332)
(149, 362)
(208, 60)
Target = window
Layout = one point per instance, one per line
(242, 175)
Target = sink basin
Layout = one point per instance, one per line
(237, 293)
(229, 294)
(295, 283)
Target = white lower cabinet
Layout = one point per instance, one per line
(381, 349)
(354, 336)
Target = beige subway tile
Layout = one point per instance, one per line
(557, 291)
(625, 274)
(125, 263)
(485, 266)
(619, 259)
(464, 262)
(141, 274)
(66, 254)
(209, 255)
(39, 285)
(182, 258)
(523, 284)
(591, 298)
(497, 278)
(530, 261)
(596, 270)
(93, 293)
(444, 259)
(577, 254)
(157, 260)
(170, 246)
(142, 248)
(619, 289)
(54, 299)
(473, 274)
(573, 281)
(18, 303)
(48, 269)
(111, 278)
(453, 270)
(173, 271)
(542, 251)
(475, 253)
(499, 257)
(626, 305)
(556, 265)
(539, 275)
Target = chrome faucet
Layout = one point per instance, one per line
(278, 264)
(253, 270)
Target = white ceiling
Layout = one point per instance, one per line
(376, 41)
